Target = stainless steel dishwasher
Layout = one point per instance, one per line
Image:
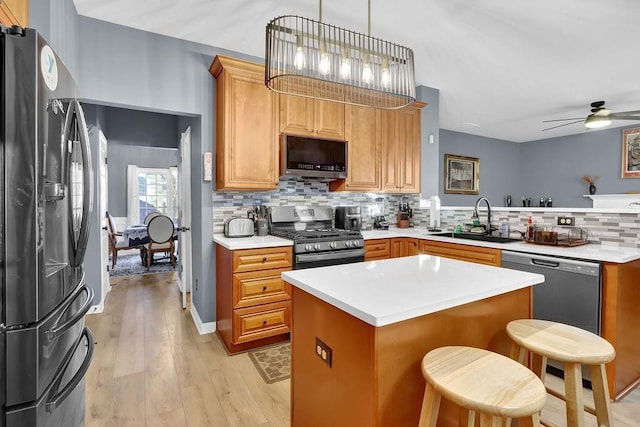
(571, 292)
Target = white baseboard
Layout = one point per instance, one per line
(203, 328)
(99, 308)
(95, 309)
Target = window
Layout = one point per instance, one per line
(153, 190)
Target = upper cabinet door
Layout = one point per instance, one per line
(246, 123)
(14, 12)
(311, 117)
(362, 132)
(401, 149)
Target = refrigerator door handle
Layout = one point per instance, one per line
(58, 330)
(59, 397)
(87, 199)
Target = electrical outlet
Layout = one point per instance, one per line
(323, 351)
(196, 285)
(566, 220)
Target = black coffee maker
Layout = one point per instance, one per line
(348, 218)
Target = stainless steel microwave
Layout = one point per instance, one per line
(313, 157)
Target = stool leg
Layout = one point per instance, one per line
(573, 392)
(430, 408)
(601, 395)
(518, 353)
(487, 420)
(539, 366)
(466, 417)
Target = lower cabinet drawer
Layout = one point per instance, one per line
(261, 322)
(376, 249)
(259, 287)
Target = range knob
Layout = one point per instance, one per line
(348, 243)
(308, 248)
(316, 246)
(333, 245)
(359, 243)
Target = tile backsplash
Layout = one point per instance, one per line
(611, 229)
(310, 192)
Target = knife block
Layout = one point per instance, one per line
(403, 220)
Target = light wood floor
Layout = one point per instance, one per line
(151, 367)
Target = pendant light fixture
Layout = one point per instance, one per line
(317, 60)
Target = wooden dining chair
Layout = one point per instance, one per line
(160, 230)
(115, 244)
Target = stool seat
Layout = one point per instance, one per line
(573, 347)
(561, 342)
(483, 381)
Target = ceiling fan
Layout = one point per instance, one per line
(600, 117)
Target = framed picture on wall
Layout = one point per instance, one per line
(631, 153)
(461, 174)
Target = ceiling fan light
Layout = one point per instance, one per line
(594, 121)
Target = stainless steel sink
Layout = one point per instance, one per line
(476, 236)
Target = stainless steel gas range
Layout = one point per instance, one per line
(315, 242)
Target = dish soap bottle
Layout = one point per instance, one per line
(530, 228)
(504, 229)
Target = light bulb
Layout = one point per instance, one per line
(300, 60)
(325, 64)
(386, 78)
(595, 121)
(386, 75)
(367, 73)
(345, 68)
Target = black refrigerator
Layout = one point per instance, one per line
(45, 209)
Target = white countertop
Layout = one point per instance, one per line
(589, 251)
(254, 242)
(393, 290)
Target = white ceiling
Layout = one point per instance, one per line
(504, 66)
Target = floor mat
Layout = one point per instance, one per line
(273, 363)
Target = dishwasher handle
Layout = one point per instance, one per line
(545, 263)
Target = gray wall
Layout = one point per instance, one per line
(555, 167)
(122, 155)
(57, 21)
(430, 125)
(139, 138)
(499, 167)
(551, 167)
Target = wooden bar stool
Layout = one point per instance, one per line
(481, 381)
(573, 347)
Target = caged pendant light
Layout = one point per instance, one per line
(316, 60)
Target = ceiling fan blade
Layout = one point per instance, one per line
(620, 116)
(563, 120)
(626, 112)
(565, 124)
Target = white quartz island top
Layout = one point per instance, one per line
(392, 290)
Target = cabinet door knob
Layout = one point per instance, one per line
(264, 259)
(264, 288)
(264, 322)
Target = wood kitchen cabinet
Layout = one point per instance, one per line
(362, 132)
(14, 12)
(475, 254)
(311, 117)
(253, 304)
(246, 127)
(401, 149)
(377, 249)
(384, 150)
(403, 246)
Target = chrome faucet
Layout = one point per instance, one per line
(475, 212)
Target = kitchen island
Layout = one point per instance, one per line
(360, 330)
